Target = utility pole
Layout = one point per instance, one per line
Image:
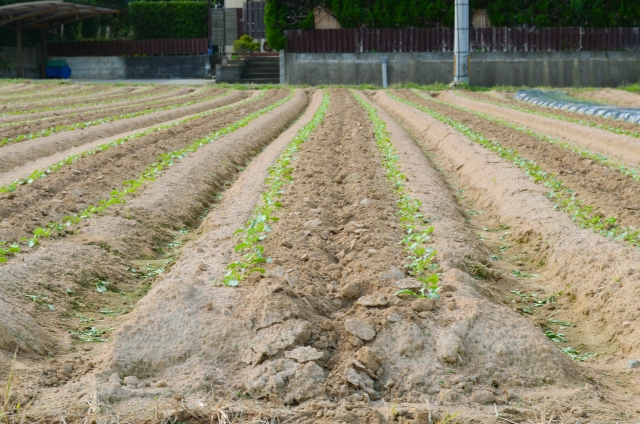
(461, 43)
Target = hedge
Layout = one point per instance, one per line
(168, 19)
(294, 14)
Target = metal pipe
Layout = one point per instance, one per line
(461, 42)
(385, 82)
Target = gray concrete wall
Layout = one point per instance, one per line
(111, 67)
(556, 69)
(151, 67)
(167, 67)
(30, 62)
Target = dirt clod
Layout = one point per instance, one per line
(360, 329)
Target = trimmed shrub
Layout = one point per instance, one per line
(245, 44)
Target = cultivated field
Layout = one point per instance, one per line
(274, 254)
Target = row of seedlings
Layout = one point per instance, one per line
(566, 200)
(27, 121)
(82, 125)
(416, 227)
(165, 160)
(559, 117)
(62, 107)
(42, 173)
(629, 171)
(257, 227)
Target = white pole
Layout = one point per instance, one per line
(385, 82)
(461, 42)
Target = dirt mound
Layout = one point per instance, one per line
(612, 96)
(34, 287)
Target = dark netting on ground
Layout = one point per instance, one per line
(560, 100)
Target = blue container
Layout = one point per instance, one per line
(63, 72)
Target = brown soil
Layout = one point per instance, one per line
(76, 92)
(17, 154)
(610, 193)
(43, 163)
(85, 263)
(91, 179)
(321, 336)
(507, 98)
(620, 147)
(159, 92)
(341, 248)
(133, 106)
(548, 243)
(44, 91)
(101, 93)
(612, 96)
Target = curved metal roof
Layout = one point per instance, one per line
(40, 14)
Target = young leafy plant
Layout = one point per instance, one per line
(257, 228)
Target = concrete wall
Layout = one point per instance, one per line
(111, 67)
(30, 62)
(556, 69)
(151, 67)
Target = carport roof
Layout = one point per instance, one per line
(40, 14)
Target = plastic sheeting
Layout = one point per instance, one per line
(561, 100)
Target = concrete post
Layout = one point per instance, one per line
(283, 68)
(19, 48)
(385, 81)
(461, 42)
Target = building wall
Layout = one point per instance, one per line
(556, 69)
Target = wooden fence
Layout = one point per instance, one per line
(253, 19)
(371, 40)
(178, 46)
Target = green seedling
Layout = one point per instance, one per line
(555, 337)
(495, 257)
(631, 172)
(91, 335)
(257, 228)
(575, 354)
(83, 318)
(427, 291)
(503, 248)
(501, 227)
(101, 286)
(521, 274)
(562, 324)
